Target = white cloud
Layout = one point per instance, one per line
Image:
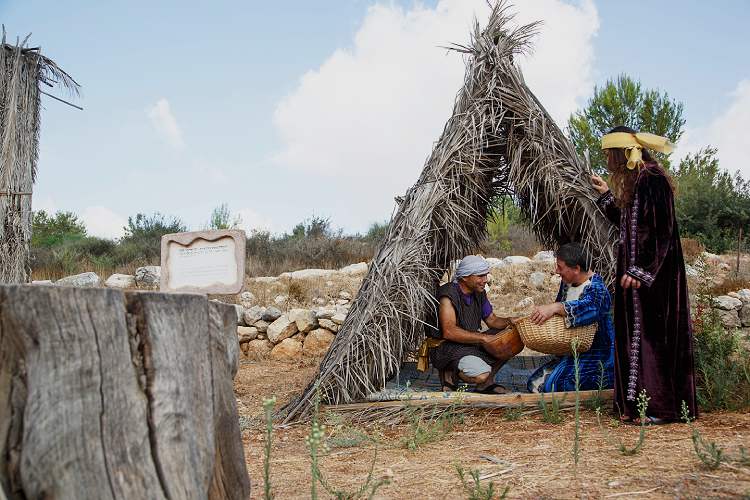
(103, 222)
(165, 123)
(726, 132)
(252, 220)
(369, 115)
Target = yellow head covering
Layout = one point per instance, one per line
(634, 143)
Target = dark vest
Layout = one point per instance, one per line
(468, 317)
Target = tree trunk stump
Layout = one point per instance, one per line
(112, 395)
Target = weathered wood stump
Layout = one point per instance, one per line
(112, 395)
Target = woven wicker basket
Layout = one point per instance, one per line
(552, 337)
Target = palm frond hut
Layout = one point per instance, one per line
(22, 70)
(499, 140)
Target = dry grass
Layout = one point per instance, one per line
(539, 455)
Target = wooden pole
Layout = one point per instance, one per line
(112, 395)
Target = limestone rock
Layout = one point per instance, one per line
(271, 314)
(744, 295)
(544, 256)
(253, 314)
(319, 301)
(265, 279)
(727, 303)
(261, 325)
(338, 318)
(514, 260)
(257, 349)
(120, 281)
(84, 280)
(42, 282)
(247, 299)
(281, 329)
(304, 319)
(307, 274)
(246, 333)
(329, 325)
(496, 263)
(287, 351)
(148, 277)
(317, 343)
(745, 315)
(280, 300)
(325, 314)
(690, 271)
(354, 269)
(537, 279)
(342, 302)
(729, 319)
(343, 294)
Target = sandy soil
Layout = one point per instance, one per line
(535, 458)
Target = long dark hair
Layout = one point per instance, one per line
(621, 180)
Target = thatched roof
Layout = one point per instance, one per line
(499, 140)
(22, 70)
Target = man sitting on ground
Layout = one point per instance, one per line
(583, 299)
(462, 352)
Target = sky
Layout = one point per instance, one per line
(292, 109)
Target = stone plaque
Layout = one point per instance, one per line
(203, 262)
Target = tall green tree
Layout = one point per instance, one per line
(623, 101)
(51, 230)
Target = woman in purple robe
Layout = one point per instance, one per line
(653, 331)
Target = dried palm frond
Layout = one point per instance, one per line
(22, 69)
(499, 140)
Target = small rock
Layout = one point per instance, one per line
(690, 271)
(247, 299)
(253, 314)
(281, 329)
(148, 277)
(271, 314)
(527, 302)
(83, 280)
(537, 279)
(729, 319)
(338, 318)
(261, 325)
(262, 336)
(495, 263)
(304, 318)
(354, 269)
(745, 315)
(342, 302)
(343, 294)
(744, 295)
(317, 343)
(329, 325)
(120, 281)
(319, 301)
(325, 314)
(727, 303)
(257, 349)
(265, 279)
(514, 260)
(42, 282)
(280, 300)
(246, 333)
(544, 256)
(287, 351)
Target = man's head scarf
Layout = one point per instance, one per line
(633, 145)
(472, 265)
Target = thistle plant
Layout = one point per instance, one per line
(642, 405)
(708, 452)
(268, 404)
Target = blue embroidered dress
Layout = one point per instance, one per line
(593, 305)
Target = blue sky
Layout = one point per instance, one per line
(286, 110)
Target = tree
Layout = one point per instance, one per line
(624, 102)
(221, 218)
(711, 205)
(49, 231)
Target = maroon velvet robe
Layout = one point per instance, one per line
(653, 330)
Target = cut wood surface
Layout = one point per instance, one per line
(105, 394)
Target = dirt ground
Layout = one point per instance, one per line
(533, 458)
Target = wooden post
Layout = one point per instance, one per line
(113, 395)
